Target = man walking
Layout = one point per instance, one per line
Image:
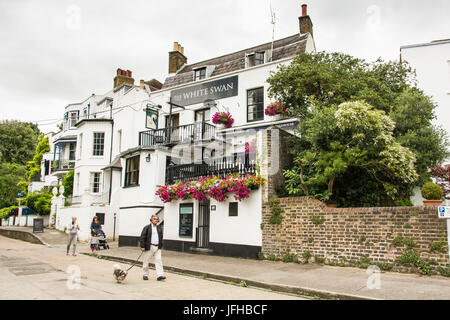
(151, 244)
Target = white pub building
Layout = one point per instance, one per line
(124, 144)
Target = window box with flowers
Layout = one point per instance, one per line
(276, 109)
(224, 118)
(211, 187)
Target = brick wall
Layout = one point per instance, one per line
(351, 233)
(346, 234)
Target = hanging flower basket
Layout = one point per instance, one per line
(276, 108)
(224, 118)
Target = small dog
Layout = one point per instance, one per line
(119, 274)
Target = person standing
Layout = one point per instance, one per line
(95, 225)
(73, 236)
(151, 245)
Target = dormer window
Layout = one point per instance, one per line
(200, 74)
(255, 59)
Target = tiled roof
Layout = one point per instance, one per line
(283, 48)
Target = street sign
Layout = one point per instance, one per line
(444, 212)
(20, 194)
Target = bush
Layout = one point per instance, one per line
(39, 202)
(432, 191)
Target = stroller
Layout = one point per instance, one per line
(101, 240)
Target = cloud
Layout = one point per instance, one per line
(57, 52)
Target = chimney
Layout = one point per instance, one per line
(123, 76)
(176, 58)
(305, 23)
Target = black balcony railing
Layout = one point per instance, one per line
(199, 131)
(238, 163)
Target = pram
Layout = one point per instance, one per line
(101, 240)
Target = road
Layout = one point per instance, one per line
(32, 271)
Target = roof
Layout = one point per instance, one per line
(283, 48)
(65, 138)
(432, 43)
(115, 164)
(82, 121)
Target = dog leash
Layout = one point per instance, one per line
(135, 261)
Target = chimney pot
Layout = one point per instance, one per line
(129, 73)
(141, 84)
(304, 10)
(175, 46)
(119, 72)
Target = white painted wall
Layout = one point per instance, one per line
(432, 64)
(133, 220)
(243, 229)
(84, 217)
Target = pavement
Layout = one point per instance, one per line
(308, 280)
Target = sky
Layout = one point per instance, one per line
(57, 52)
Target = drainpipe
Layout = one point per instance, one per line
(110, 155)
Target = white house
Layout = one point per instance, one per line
(183, 144)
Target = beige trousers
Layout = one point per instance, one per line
(153, 252)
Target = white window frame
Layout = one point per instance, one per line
(92, 181)
(93, 144)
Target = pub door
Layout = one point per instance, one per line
(203, 225)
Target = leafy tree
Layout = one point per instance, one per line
(39, 202)
(314, 85)
(68, 183)
(353, 135)
(34, 166)
(10, 174)
(17, 141)
(413, 113)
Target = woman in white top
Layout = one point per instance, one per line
(73, 233)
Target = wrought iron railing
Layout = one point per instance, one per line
(199, 131)
(238, 163)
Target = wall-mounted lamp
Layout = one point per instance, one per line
(147, 158)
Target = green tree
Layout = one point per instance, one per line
(34, 166)
(68, 183)
(10, 174)
(313, 86)
(18, 141)
(413, 113)
(39, 202)
(352, 135)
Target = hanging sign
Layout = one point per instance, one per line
(151, 119)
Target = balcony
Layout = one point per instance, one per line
(191, 133)
(238, 163)
(63, 165)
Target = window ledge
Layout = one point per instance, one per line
(131, 186)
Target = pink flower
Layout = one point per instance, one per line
(275, 108)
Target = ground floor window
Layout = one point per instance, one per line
(186, 219)
(233, 209)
